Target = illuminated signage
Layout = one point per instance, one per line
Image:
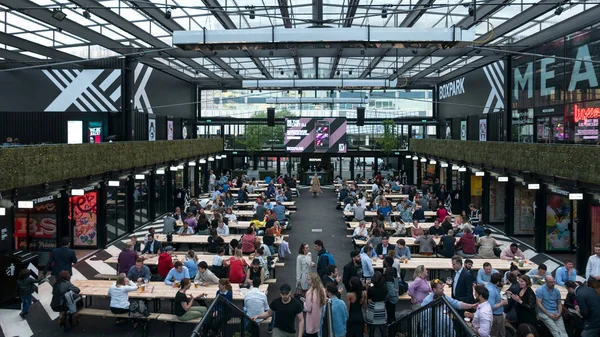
(583, 114)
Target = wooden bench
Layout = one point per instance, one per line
(110, 314)
(271, 281)
(108, 277)
(172, 320)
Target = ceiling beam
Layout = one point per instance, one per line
(584, 19)
(219, 13)
(350, 14)
(22, 44)
(483, 11)
(287, 23)
(107, 14)
(150, 9)
(18, 57)
(416, 12)
(45, 15)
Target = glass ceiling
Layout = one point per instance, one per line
(28, 20)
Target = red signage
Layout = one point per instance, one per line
(582, 114)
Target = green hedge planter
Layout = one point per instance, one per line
(575, 162)
(31, 165)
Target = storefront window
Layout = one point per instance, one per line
(522, 126)
(160, 195)
(36, 230)
(561, 218)
(140, 199)
(558, 129)
(496, 201)
(524, 211)
(582, 122)
(115, 212)
(543, 130)
(83, 213)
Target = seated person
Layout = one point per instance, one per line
(183, 305)
(371, 253)
(176, 274)
(360, 232)
(204, 276)
(255, 301)
(139, 272)
(384, 247)
(185, 229)
(538, 275)
(467, 244)
(447, 242)
(165, 262)
(436, 229)
(402, 250)
(426, 244)
(255, 272)
(152, 247)
(219, 264)
(127, 258)
(512, 252)
(222, 228)
(119, 296)
(64, 297)
(248, 241)
(416, 231)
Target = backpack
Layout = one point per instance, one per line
(330, 258)
(138, 309)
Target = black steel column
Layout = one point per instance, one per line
(170, 192)
(485, 198)
(509, 207)
(364, 162)
(466, 183)
(341, 162)
(509, 100)
(540, 218)
(101, 214)
(352, 168)
(63, 217)
(266, 162)
(130, 204)
(205, 176)
(197, 183)
(186, 176)
(128, 97)
(584, 229)
(419, 175)
(278, 166)
(151, 195)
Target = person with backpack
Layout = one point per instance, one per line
(324, 258)
(25, 289)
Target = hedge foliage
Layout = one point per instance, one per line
(575, 162)
(31, 165)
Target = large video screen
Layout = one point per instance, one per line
(309, 135)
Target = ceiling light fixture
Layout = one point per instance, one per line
(350, 72)
(180, 167)
(58, 14)
(202, 161)
(140, 177)
(281, 71)
(160, 171)
(559, 10)
(408, 156)
(479, 174)
(455, 167)
(338, 73)
(77, 192)
(462, 169)
(423, 160)
(384, 12)
(503, 179)
(168, 14)
(415, 158)
(2, 211)
(113, 183)
(575, 196)
(252, 12)
(533, 186)
(86, 14)
(444, 164)
(415, 52)
(25, 204)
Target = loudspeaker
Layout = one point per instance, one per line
(360, 116)
(271, 116)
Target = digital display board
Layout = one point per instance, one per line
(321, 135)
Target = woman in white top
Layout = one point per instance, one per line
(229, 215)
(119, 295)
(360, 232)
(303, 265)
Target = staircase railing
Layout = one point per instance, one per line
(223, 318)
(437, 318)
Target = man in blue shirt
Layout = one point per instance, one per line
(367, 264)
(443, 321)
(485, 274)
(550, 308)
(279, 211)
(566, 273)
(176, 274)
(538, 274)
(139, 272)
(497, 304)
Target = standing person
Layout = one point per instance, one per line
(339, 313)
(365, 260)
(62, 258)
(391, 282)
(169, 224)
(549, 307)
(462, 285)
(376, 314)
(352, 269)
(212, 181)
(315, 301)
(419, 288)
(357, 303)
(588, 304)
(183, 305)
(315, 186)
(64, 298)
(303, 265)
(482, 319)
(526, 301)
(119, 296)
(497, 304)
(25, 289)
(324, 258)
(592, 269)
(287, 310)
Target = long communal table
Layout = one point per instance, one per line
(203, 239)
(437, 263)
(351, 225)
(448, 291)
(409, 241)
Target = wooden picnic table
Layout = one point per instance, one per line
(152, 259)
(437, 263)
(448, 291)
(250, 214)
(409, 241)
(203, 239)
(370, 214)
(156, 290)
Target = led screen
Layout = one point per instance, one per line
(310, 135)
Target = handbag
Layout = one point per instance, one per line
(300, 294)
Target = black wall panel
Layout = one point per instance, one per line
(161, 127)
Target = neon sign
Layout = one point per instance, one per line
(583, 114)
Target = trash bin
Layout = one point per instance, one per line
(10, 266)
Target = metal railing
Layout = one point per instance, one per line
(223, 318)
(437, 318)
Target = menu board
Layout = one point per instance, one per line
(524, 212)
(496, 207)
